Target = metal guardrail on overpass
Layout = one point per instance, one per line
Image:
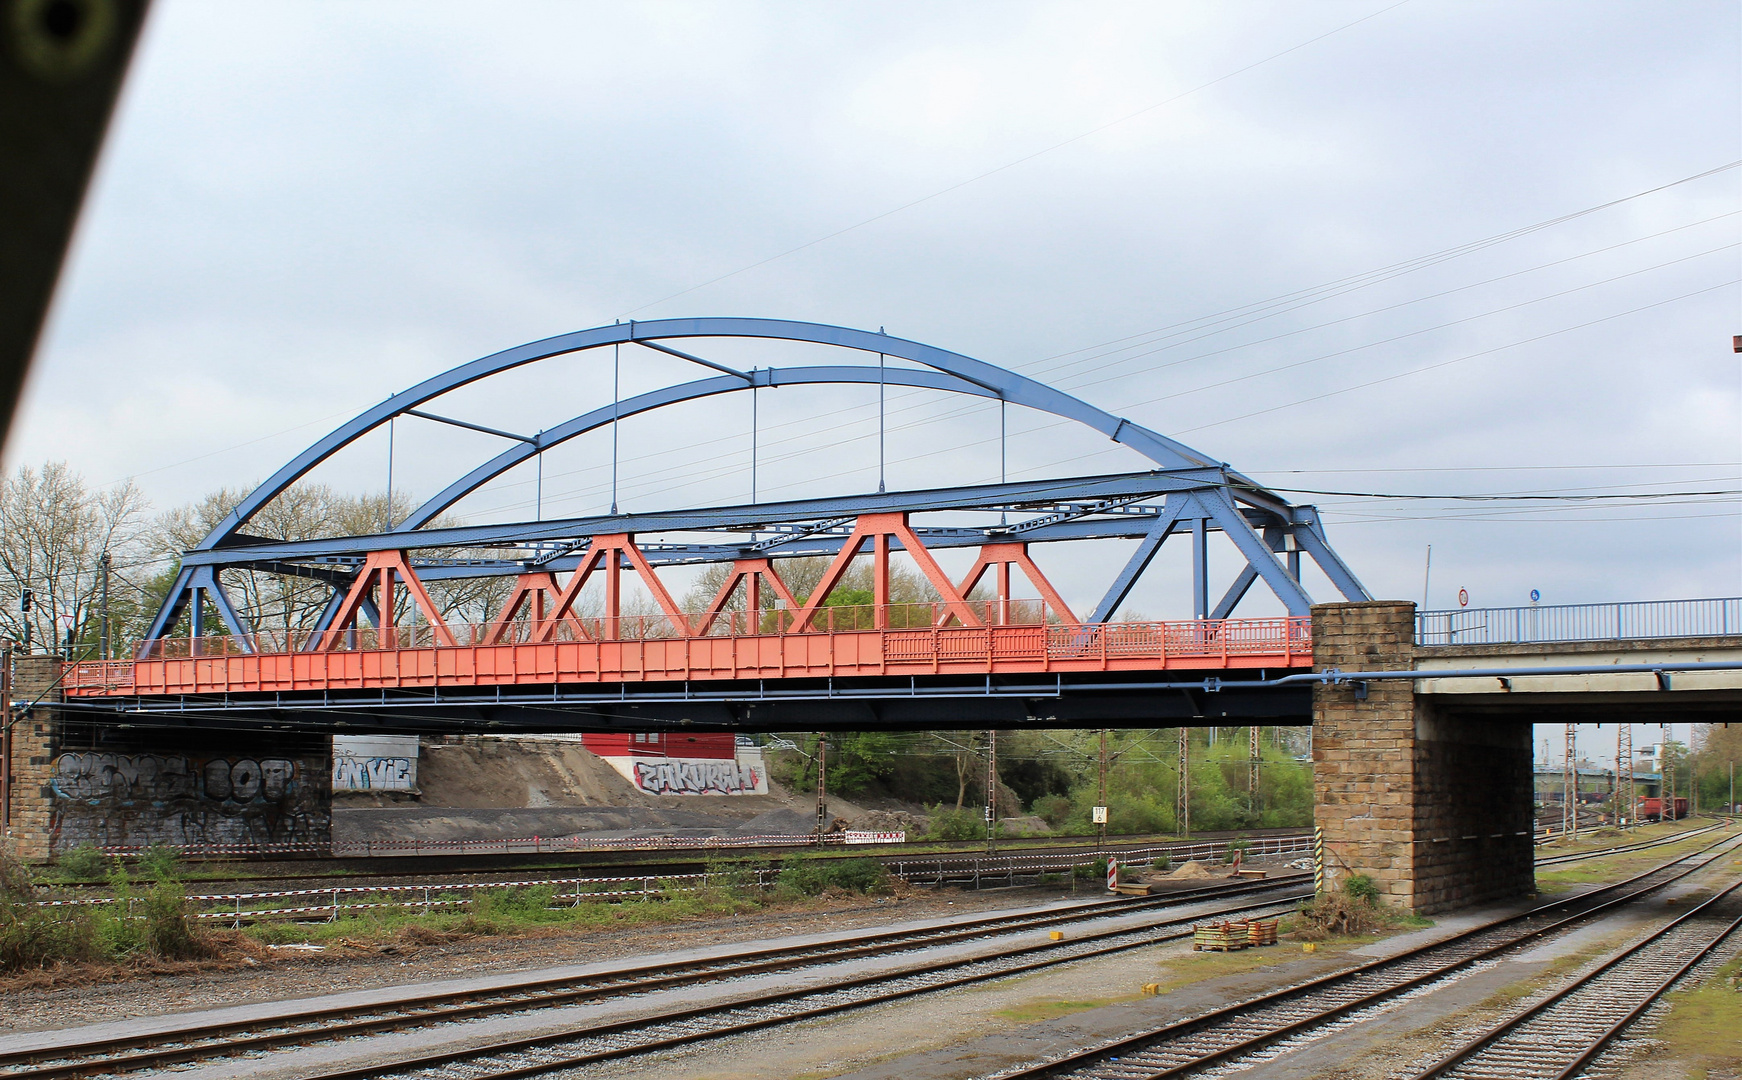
(1580, 622)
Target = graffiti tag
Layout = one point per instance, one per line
(675, 777)
(123, 800)
(374, 773)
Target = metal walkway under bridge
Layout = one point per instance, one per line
(381, 654)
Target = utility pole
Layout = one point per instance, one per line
(1624, 789)
(1183, 805)
(1101, 825)
(1252, 777)
(6, 741)
(991, 789)
(822, 787)
(1666, 780)
(1570, 785)
(103, 605)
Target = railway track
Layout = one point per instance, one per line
(925, 868)
(1598, 853)
(1556, 1038)
(195, 1043)
(327, 902)
(1227, 1035)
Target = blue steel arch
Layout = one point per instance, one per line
(950, 371)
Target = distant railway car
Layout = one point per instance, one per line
(1651, 809)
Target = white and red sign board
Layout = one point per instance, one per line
(1112, 875)
(857, 836)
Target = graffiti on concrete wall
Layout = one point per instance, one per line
(374, 774)
(375, 762)
(132, 800)
(699, 776)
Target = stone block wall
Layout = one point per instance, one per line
(1436, 809)
(1364, 749)
(31, 817)
(79, 783)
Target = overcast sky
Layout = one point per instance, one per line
(305, 207)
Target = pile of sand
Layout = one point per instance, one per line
(1191, 871)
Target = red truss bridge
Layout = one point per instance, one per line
(380, 654)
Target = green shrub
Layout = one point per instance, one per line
(1053, 809)
(1164, 863)
(83, 863)
(1238, 844)
(33, 937)
(953, 824)
(162, 862)
(1361, 887)
(811, 876)
(168, 932)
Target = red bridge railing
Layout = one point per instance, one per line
(911, 640)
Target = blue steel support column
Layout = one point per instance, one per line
(1200, 568)
(1308, 535)
(1258, 553)
(193, 586)
(173, 603)
(1164, 525)
(1278, 540)
(1236, 592)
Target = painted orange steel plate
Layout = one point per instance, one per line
(994, 650)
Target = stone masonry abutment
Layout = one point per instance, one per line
(1436, 809)
(125, 787)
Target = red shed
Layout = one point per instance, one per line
(702, 744)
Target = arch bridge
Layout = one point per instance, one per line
(757, 656)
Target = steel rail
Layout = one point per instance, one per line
(1139, 937)
(343, 1022)
(1598, 853)
(920, 869)
(1124, 1048)
(1465, 1053)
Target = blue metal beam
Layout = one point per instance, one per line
(1257, 552)
(659, 399)
(1309, 535)
(993, 381)
(743, 517)
(1157, 535)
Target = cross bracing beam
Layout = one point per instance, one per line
(741, 518)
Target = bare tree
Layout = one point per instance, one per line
(313, 511)
(54, 532)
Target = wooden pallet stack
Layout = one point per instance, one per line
(1222, 936)
(1232, 935)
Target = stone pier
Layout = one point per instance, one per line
(125, 787)
(1436, 810)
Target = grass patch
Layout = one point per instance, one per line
(1702, 1025)
(1034, 1012)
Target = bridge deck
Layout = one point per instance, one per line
(991, 650)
